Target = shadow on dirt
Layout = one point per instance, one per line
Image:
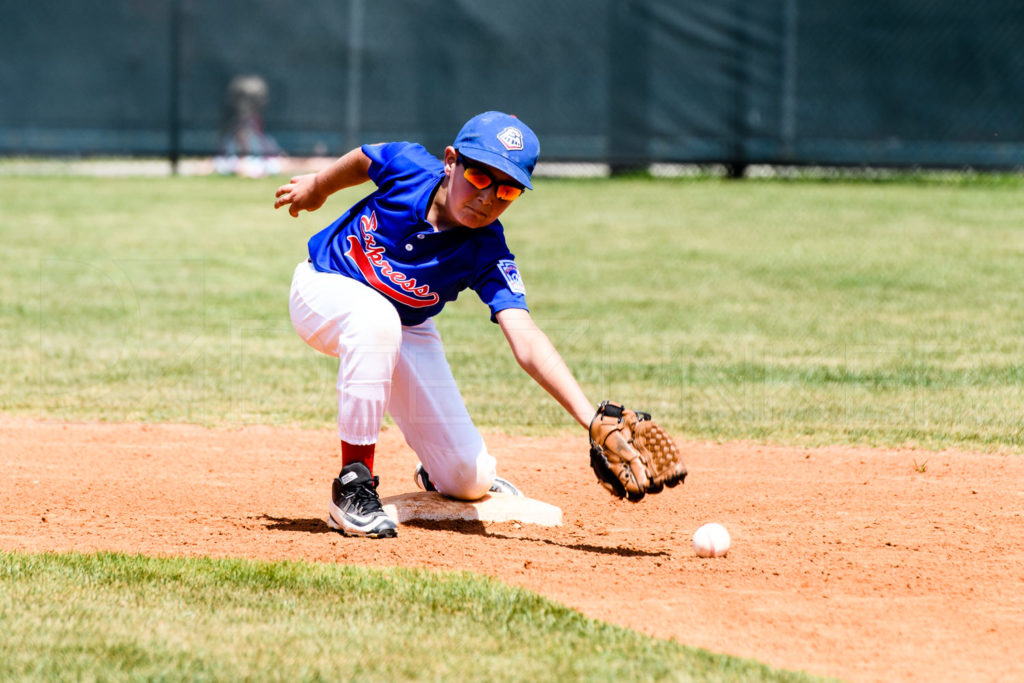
(309, 525)
(316, 525)
(479, 529)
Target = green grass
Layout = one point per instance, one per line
(882, 313)
(117, 617)
(806, 312)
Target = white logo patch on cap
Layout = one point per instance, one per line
(511, 138)
(510, 272)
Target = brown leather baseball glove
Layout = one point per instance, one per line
(631, 454)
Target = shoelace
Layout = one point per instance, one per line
(366, 498)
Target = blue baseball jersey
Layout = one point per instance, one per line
(386, 242)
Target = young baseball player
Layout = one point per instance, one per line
(375, 278)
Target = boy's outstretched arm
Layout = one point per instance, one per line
(538, 357)
(631, 455)
(309, 192)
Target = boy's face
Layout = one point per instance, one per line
(468, 205)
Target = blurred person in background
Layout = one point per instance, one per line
(246, 148)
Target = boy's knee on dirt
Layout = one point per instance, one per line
(466, 479)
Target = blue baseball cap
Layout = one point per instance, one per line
(502, 142)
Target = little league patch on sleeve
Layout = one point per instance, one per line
(510, 272)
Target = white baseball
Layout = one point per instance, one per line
(711, 540)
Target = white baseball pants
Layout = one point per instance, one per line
(387, 367)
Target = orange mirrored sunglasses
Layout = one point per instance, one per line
(481, 180)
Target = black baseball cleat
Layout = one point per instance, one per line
(499, 485)
(355, 506)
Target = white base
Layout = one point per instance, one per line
(494, 507)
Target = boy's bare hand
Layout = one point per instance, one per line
(302, 192)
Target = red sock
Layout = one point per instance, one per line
(363, 453)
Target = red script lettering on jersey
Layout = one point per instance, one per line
(371, 258)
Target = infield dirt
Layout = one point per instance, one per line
(869, 565)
